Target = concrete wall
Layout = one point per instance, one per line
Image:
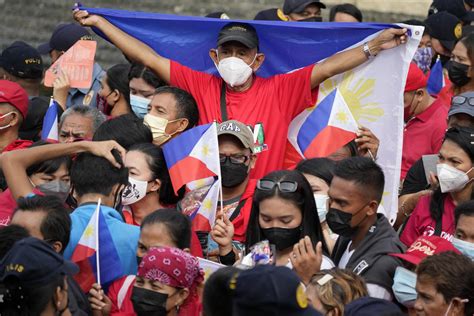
(33, 20)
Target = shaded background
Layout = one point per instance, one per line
(34, 20)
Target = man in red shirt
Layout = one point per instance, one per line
(425, 120)
(13, 110)
(238, 93)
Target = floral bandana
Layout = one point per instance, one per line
(172, 267)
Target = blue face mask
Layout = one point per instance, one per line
(403, 286)
(139, 105)
(466, 248)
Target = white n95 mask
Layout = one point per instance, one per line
(234, 71)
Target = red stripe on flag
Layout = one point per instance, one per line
(292, 157)
(201, 223)
(187, 170)
(329, 140)
(86, 276)
(81, 253)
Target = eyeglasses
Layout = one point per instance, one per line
(283, 186)
(460, 100)
(237, 159)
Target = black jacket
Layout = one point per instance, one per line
(370, 259)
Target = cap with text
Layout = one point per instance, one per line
(239, 130)
(238, 32)
(22, 60)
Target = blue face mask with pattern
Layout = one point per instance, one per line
(423, 58)
(403, 286)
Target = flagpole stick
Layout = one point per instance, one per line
(221, 195)
(97, 260)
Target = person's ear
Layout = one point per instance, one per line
(57, 246)
(213, 55)
(115, 95)
(182, 296)
(182, 125)
(258, 61)
(60, 297)
(457, 306)
(155, 185)
(373, 206)
(253, 161)
(15, 119)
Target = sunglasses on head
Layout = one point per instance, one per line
(283, 186)
(460, 100)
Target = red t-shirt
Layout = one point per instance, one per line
(423, 135)
(8, 206)
(420, 222)
(273, 101)
(120, 294)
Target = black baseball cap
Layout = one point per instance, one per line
(462, 104)
(34, 262)
(64, 37)
(269, 290)
(239, 32)
(22, 60)
(298, 6)
(271, 15)
(455, 7)
(446, 28)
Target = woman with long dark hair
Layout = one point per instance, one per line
(434, 214)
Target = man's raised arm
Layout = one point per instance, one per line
(352, 58)
(130, 46)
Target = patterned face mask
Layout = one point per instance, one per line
(423, 57)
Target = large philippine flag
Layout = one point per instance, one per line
(326, 128)
(193, 155)
(96, 255)
(373, 91)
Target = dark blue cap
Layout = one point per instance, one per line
(271, 15)
(269, 290)
(371, 306)
(298, 6)
(455, 7)
(22, 60)
(64, 37)
(32, 262)
(446, 28)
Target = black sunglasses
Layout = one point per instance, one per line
(460, 100)
(283, 186)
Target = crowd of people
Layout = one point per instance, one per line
(328, 248)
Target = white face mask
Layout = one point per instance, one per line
(158, 128)
(322, 206)
(134, 191)
(234, 71)
(8, 125)
(451, 179)
(139, 105)
(466, 248)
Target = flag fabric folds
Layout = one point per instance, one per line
(50, 123)
(372, 91)
(204, 218)
(193, 155)
(96, 246)
(436, 81)
(327, 128)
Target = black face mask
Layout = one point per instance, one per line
(282, 238)
(457, 73)
(233, 174)
(340, 222)
(312, 19)
(146, 302)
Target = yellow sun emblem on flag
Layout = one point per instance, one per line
(354, 93)
(342, 117)
(89, 231)
(207, 205)
(205, 150)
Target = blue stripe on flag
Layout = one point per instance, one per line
(436, 79)
(287, 46)
(316, 122)
(50, 121)
(181, 146)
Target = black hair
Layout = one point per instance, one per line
(96, 175)
(452, 275)
(117, 79)
(3, 181)
(177, 224)
(303, 198)
(186, 105)
(461, 136)
(466, 209)
(56, 225)
(140, 71)
(157, 164)
(217, 296)
(9, 235)
(20, 300)
(346, 8)
(322, 168)
(126, 130)
(49, 166)
(365, 172)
